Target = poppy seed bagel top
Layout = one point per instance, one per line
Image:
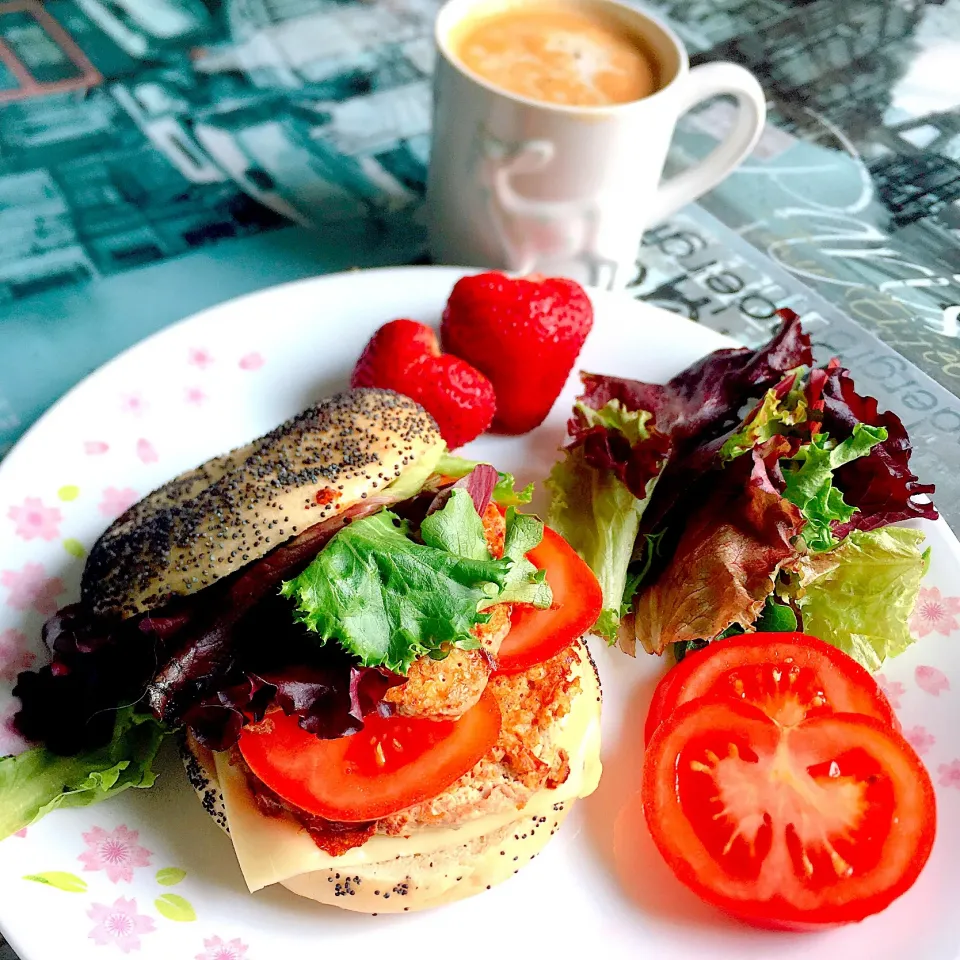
(214, 520)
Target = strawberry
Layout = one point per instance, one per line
(405, 356)
(525, 334)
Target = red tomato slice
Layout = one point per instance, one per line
(536, 635)
(820, 823)
(391, 764)
(789, 676)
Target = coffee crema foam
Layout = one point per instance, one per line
(557, 55)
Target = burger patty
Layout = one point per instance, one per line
(446, 689)
(523, 761)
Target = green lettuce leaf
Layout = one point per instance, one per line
(776, 618)
(457, 528)
(504, 493)
(38, 781)
(595, 512)
(645, 552)
(388, 599)
(810, 486)
(772, 418)
(600, 518)
(859, 596)
(613, 415)
(525, 583)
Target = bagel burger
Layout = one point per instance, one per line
(372, 660)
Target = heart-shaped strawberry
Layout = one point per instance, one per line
(524, 333)
(405, 356)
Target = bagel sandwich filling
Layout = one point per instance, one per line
(365, 649)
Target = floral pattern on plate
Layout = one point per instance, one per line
(30, 587)
(931, 680)
(216, 948)
(935, 613)
(119, 924)
(15, 654)
(115, 851)
(116, 501)
(33, 519)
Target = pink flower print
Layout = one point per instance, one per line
(94, 448)
(21, 833)
(200, 358)
(133, 403)
(931, 680)
(146, 451)
(116, 851)
(11, 743)
(893, 689)
(934, 613)
(217, 949)
(920, 738)
(33, 519)
(119, 924)
(14, 655)
(195, 396)
(252, 361)
(950, 774)
(30, 587)
(114, 501)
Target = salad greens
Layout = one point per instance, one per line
(388, 599)
(723, 566)
(595, 512)
(774, 417)
(505, 492)
(859, 596)
(525, 583)
(456, 529)
(693, 516)
(775, 617)
(810, 486)
(38, 781)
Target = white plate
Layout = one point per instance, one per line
(229, 374)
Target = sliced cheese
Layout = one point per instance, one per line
(273, 849)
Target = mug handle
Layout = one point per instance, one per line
(703, 82)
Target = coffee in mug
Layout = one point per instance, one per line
(552, 120)
(558, 54)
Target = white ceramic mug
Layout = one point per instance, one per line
(523, 185)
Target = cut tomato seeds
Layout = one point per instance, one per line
(393, 763)
(789, 676)
(774, 807)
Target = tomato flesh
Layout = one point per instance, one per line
(822, 822)
(393, 763)
(791, 677)
(537, 635)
